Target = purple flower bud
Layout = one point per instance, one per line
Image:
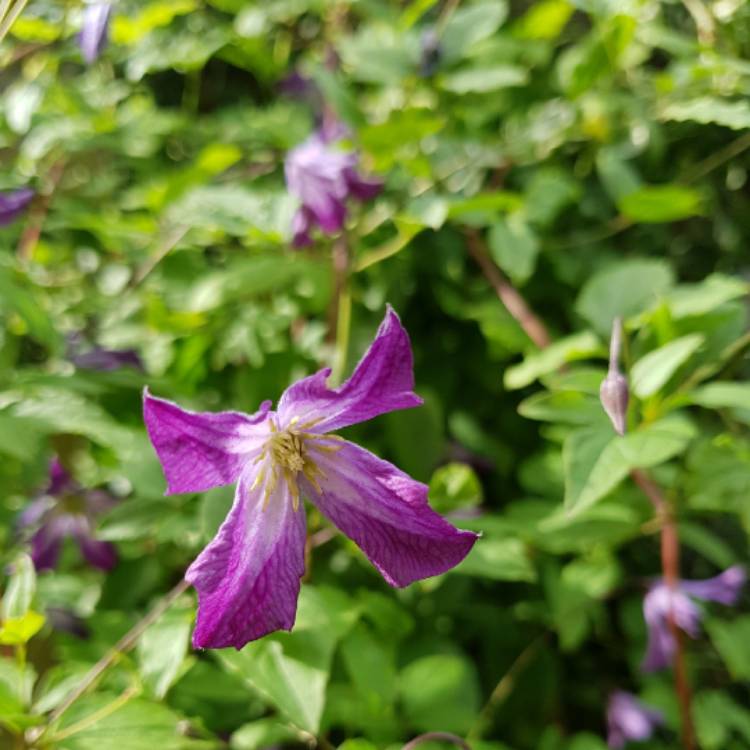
(660, 602)
(430, 53)
(323, 177)
(13, 203)
(630, 719)
(614, 397)
(613, 392)
(93, 36)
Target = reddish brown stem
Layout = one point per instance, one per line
(670, 564)
(514, 303)
(39, 209)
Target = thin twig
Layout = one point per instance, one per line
(508, 294)
(32, 232)
(341, 305)
(10, 19)
(162, 250)
(670, 563)
(504, 687)
(124, 644)
(715, 160)
(437, 737)
(703, 20)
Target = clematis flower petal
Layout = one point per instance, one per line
(630, 719)
(93, 36)
(362, 188)
(46, 545)
(724, 588)
(201, 450)
(13, 203)
(386, 513)
(383, 381)
(99, 554)
(248, 577)
(657, 604)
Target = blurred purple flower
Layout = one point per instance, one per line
(94, 28)
(323, 177)
(248, 577)
(630, 719)
(430, 53)
(724, 588)
(13, 203)
(67, 621)
(66, 509)
(107, 360)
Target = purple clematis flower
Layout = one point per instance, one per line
(630, 719)
(323, 177)
(66, 509)
(93, 37)
(248, 577)
(13, 203)
(724, 588)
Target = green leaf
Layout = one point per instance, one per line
(471, 24)
(481, 79)
(732, 641)
(652, 371)
(20, 588)
(596, 460)
(622, 289)
(162, 650)
(136, 725)
(717, 717)
(16, 631)
(441, 690)
(653, 204)
(720, 395)
(544, 20)
(579, 346)
(291, 670)
(705, 296)
(567, 407)
(514, 247)
(499, 559)
(709, 110)
(454, 486)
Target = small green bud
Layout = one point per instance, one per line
(613, 392)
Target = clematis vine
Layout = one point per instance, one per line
(248, 577)
(93, 37)
(13, 203)
(323, 176)
(661, 600)
(66, 510)
(630, 719)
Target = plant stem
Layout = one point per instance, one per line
(341, 307)
(503, 688)
(10, 19)
(670, 544)
(124, 644)
(514, 303)
(32, 232)
(670, 563)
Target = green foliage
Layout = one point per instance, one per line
(596, 155)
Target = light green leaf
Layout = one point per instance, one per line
(454, 486)
(291, 670)
(440, 690)
(162, 650)
(471, 24)
(623, 289)
(709, 110)
(732, 641)
(480, 80)
(722, 395)
(499, 559)
(15, 631)
(653, 204)
(544, 20)
(514, 246)
(652, 371)
(579, 346)
(20, 588)
(596, 460)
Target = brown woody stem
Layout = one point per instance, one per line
(514, 303)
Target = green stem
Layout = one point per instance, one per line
(10, 19)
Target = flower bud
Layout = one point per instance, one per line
(614, 396)
(613, 392)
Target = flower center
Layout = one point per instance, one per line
(289, 454)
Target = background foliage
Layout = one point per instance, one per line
(596, 150)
